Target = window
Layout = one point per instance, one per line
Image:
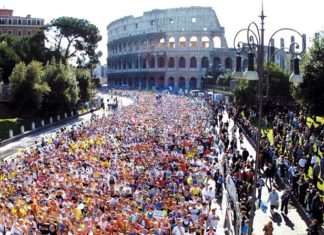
(171, 21)
(171, 42)
(124, 27)
(182, 62)
(0, 32)
(171, 62)
(38, 22)
(19, 33)
(136, 25)
(28, 32)
(9, 32)
(152, 22)
(162, 41)
(193, 19)
(9, 21)
(0, 21)
(204, 62)
(205, 42)
(29, 22)
(193, 42)
(19, 21)
(193, 62)
(182, 42)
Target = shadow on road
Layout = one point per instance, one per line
(276, 218)
(288, 222)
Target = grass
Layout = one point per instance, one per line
(319, 121)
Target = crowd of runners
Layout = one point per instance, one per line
(146, 169)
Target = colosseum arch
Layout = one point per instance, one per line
(205, 42)
(124, 63)
(144, 63)
(228, 63)
(193, 83)
(162, 42)
(217, 42)
(171, 81)
(151, 82)
(129, 46)
(193, 42)
(171, 42)
(129, 64)
(160, 82)
(136, 82)
(152, 44)
(119, 64)
(193, 62)
(171, 62)
(182, 62)
(161, 62)
(152, 62)
(143, 82)
(130, 82)
(216, 61)
(182, 82)
(136, 63)
(182, 42)
(204, 62)
(136, 45)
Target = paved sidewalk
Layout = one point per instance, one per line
(293, 224)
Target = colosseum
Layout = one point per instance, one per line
(170, 48)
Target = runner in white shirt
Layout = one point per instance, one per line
(213, 218)
(178, 229)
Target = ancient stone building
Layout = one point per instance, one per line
(166, 48)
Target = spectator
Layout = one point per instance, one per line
(268, 228)
(313, 228)
(273, 199)
(285, 197)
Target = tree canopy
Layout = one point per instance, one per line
(310, 92)
(75, 38)
(64, 88)
(279, 89)
(28, 87)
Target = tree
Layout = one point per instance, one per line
(64, 93)
(279, 89)
(245, 93)
(85, 85)
(74, 37)
(8, 60)
(310, 92)
(28, 87)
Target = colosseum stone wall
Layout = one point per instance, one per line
(166, 48)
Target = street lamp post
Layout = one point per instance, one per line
(255, 45)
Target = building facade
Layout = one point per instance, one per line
(18, 25)
(166, 48)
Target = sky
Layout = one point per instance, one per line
(303, 16)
